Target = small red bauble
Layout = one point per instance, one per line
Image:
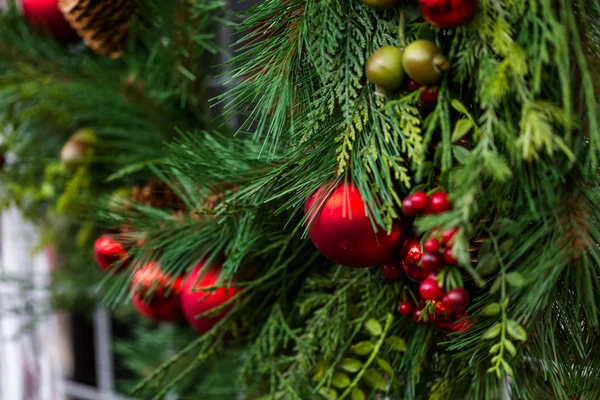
(447, 321)
(417, 316)
(195, 301)
(406, 308)
(447, 13)
(391, 271)
(411, 257)
(432, 246)
(449, 257)
(430, 289)
(343, 232)
(431, 261)
(110, 254)
(412, 86)
(430, 95)
(457, 299)
(448, 235)
(155, 294)
(407, 206)
(439, 203)
(420, 201)
(45, 16)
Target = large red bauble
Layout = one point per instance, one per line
(411, 258)
(342, 231)
(45, 16)
(447, 321)
(155, 294)
(110, 254)
(448, 13)
(195, 301)
(457, 299)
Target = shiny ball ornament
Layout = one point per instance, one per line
(424, 63)
(44, 16)
(447, 13)
(411, 255)
(110, 254)
(196, 301)
(342, 231)
(382, 4)
(448, 321)
(155, 294)
(384, 68)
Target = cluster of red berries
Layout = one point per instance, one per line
(419, 203)
(428, 94)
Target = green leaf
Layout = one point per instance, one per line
(373, 327)
(515, 279)
(374, 379)
(462, 155)
(357, 394)
(495, 348)
(340, 380)
(496, 285)
(350, 364)
(385, 366)
(462, 127)
(487, 264)
(492, 332)
(363, 348)
(516, 331)
(491, 309)
(507, 368)
(396, 343)
(329, 394)
(510, 347)
(460, 107)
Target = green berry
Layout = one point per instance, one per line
(424, 63)
(384, 68)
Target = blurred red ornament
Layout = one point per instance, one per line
(449, 257)
(407, 206)
(430, 95)
(155, 294)
(457, 299)
(431, 262)
(406, 308)
(420, 201)
(430, 289)
(439, 202)
(448, 13)
(448, 235)
(342, 231)
(411, 257)
(432, 246)
(391, 271)
(447, 321)
(412, 86)
(44, 16)
(196, 301)
(110, 254)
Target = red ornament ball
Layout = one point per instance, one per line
(432, 246)
(448, 13)
(342, 231)
(448, 235)
(411, 254)
(457, 299)
(110, 254)
(439, 203)
(45, 16)
(391, 271)
(196, 301)
(430, 289)
(431, 261)
(406, 308)
(447, 321)
(156, 295)
(449, 257)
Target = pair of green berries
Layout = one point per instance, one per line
(422, 61)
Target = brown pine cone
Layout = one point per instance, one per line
(158, 194)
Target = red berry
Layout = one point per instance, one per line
(412, 85)
(391, 271)
(420, 201)
(406, 308)
(449, 257)
(439, 202)
(448, 235)
(457, 299)
(408, 207)
(430, 95)
(417, 316)
(431, 262)
(432, 246)
(430, 290)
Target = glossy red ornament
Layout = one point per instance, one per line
(406, 308)
(420, 201)
(432, 246)
(457, 299)
(110, 254)
(196, 301)
(448, 13)
(391, 271)
(447, 321)
(430, 289)
(44, 16)
(431, 262)
(449, 257)
(439, 202)
(448, 235)
(342, 231)
(156, 295)
(411, 254)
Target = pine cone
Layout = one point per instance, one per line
(158, 194)
(102, 24)
(474, 246)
